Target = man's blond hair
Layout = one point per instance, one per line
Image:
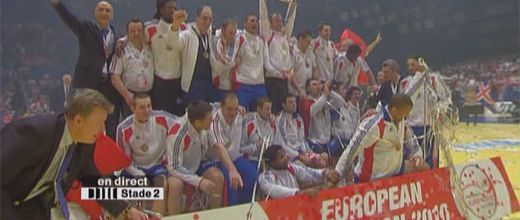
(84, 101)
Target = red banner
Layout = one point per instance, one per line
(486, 190)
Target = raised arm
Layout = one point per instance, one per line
(319, 104)
(290, 18)
(66, 16)
(265, 26)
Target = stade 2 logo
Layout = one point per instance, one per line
(478, 190)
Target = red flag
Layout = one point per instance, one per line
(349, 34)
(108, 156)
(91, 207)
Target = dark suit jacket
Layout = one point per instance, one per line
(385, 92)
(57, 98)
(27, 149)
(89, 66)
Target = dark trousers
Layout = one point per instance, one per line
(200, 89)
(166, 95)
(277, 89)
(430, 150)
(472, 110)
(113, 96)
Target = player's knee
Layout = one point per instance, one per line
(175, 184)
(214, 175)
(159, 181)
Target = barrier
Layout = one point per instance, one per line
(486, 193)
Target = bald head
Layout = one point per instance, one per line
(277, 22)
(67, 79)
(204, 18)
(103, 13)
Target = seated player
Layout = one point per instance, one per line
(345, 119)
(143, 137)
(284, 179)
(226, 130)
(316, 109)
(384, 145)
(258, 127)
(193, 186)
(291, 135)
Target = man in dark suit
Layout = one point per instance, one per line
(59, 94)
(96, 48)
(42, 155)
(391, 84)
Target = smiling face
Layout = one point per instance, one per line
(413, 66)
(103, 14)
(325, 31)
(142, 109)
(251, 24)
(265, 110)
(168, 10)
(305, 42)
(136, 33)
(314, 88)
(276, 22)
(204, 19)
(356, 96)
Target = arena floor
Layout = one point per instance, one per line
(510, 155)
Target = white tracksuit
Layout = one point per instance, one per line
(320, 124)
(167, 61)
(226, 134)
(379, 145)
(254, 131)
(290, 133)
(347, 123)
(186, 147)
(279, 184)
(277, 42)
(144, 142)
(324, 52)
(438, 93)
(222, 72)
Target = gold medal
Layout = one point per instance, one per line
(169, 47)
(144, 147)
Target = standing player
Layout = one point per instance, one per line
(277, 36)
(159, 34)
